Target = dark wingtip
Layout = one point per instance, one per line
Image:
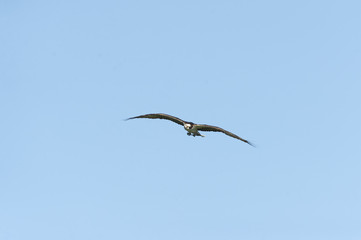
(250, 144)
(128, 118)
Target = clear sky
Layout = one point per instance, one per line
(283, 74)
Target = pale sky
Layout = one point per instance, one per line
(283, 74)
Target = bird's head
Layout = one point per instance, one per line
(188, 125)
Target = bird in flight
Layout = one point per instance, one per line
(192, 128)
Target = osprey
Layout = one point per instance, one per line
(192, 128)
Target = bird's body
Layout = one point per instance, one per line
(191, 128)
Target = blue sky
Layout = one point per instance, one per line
(282, 74)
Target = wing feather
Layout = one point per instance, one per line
(160, 116)
(209, 128)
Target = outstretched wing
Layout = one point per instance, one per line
(160, 116)
(209, 128)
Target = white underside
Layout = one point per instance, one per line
(193, 131)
